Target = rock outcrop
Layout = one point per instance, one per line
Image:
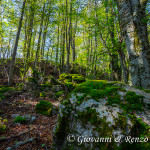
(103, 115)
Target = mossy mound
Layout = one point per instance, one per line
(102, 109)
(70, 81)
(4, 90)
(98, 89)
(20, 119)
(44, 108)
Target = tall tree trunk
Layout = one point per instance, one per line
(56, 59)
(132, 19)
(16, 45)
(39, 39)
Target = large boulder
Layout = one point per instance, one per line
(103, 115)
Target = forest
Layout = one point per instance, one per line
(72, 71)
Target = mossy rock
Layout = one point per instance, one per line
(59, 93)
(44, 108)
(102, 109)
(20, 119)
(64, 76)
(77, 78)
(6, 92)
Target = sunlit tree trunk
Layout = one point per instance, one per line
(16, 45)
(39, 38)
(134, 26)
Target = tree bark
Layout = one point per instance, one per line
(133, 23)
(15, 47)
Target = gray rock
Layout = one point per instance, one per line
(14, 116)
(112, 117)
(56, 88)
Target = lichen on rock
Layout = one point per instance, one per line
(101, 109)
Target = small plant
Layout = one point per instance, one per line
(2, 125)
(42, 95)
(20, 119)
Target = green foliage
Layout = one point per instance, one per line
(19, 86)
(42, 95)
(20, 119)
(64, 76)
(32, 80)
(2, 125)
(44, 108)
(59, 93)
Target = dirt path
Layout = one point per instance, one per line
(40, 129)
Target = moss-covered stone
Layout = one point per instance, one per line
(44, 108)
(4, 92)
(20, 119)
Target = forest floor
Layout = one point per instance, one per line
(40, 130)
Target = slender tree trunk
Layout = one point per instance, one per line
(132, 16)
(39, 39)
(56, 59)
(15, 47)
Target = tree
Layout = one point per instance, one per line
(16, 45)
(134, 25)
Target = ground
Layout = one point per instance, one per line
(41, 128)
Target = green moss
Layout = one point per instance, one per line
(20, 119)
(77, 78)
(43, 108)
(83, 89)
(62, 129)
(4, 89)
(64, 76)
(70, 86)
(96, 89)
(89, 114)
(134, 102)
(121, 121)
(147, 91)
(97, 94)
(115, 99)
(59, 93)
(65, 102)
(140, 130)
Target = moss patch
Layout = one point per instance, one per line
(134, 102)
(44, 108)
(20, 119)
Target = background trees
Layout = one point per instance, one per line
(88, 37)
